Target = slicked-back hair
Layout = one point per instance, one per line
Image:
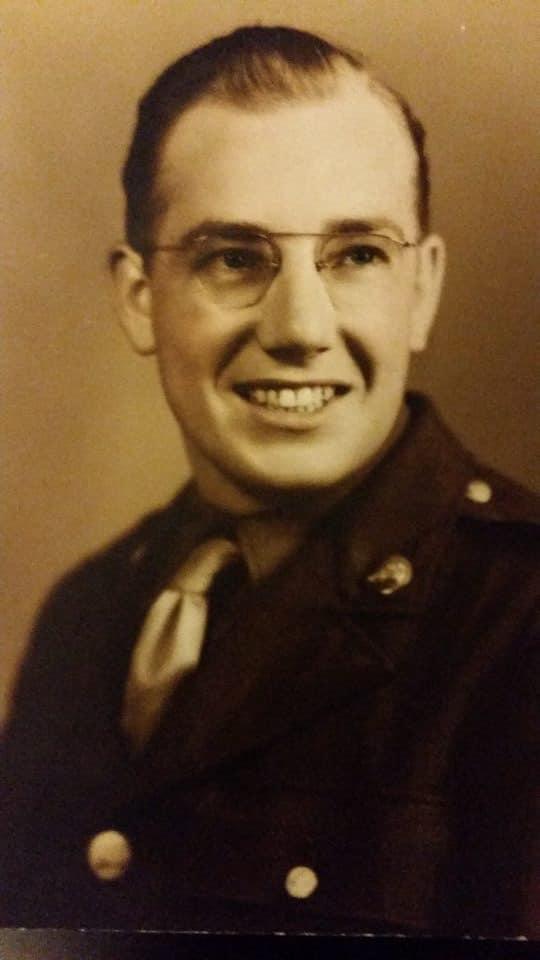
(249, 68)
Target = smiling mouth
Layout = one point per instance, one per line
(290, 397)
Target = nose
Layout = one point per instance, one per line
(296, 318)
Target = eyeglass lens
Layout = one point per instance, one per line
(238, 272)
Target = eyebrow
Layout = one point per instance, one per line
(244, 229)
(366, 226)
(229, 230)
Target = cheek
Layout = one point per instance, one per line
(182, 338)
(195, 334)
(381, 330)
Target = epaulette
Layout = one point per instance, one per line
(491, 497)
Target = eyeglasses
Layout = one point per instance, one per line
(237, 271)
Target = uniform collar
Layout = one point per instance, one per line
(401, 511)
(266, 540)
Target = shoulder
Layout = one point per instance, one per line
(89, 614)
(500, 518)
(139, 550)
(492, 498)
(494, 557)
(483, 493)
(479, 496)
(80, 645)
(471, 533)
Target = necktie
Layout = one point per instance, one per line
(171, 639)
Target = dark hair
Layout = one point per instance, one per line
(251, 65)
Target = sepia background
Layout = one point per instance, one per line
(87, 441)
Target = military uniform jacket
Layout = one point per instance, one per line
(369, 714)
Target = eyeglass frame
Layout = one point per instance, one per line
(269, 236)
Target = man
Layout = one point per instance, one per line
(302, 696)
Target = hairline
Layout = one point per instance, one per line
(262, 101)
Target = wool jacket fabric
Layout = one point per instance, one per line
(378, 728)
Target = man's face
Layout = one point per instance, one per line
(234, 375)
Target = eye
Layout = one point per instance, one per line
(223, 262)
(362, 254)
(238, 258)
(353, 254)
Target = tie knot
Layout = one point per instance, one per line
(203, 564)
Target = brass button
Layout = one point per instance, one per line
(301, 882)
(478, 491)
(108, 855)
(395, 573)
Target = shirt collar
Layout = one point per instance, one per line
(266, 539)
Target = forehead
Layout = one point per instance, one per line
(293, 166)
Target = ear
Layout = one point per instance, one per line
(133, 297)
(430, 268)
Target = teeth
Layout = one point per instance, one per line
(287, 399)
(304, 397)
(302, 400)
